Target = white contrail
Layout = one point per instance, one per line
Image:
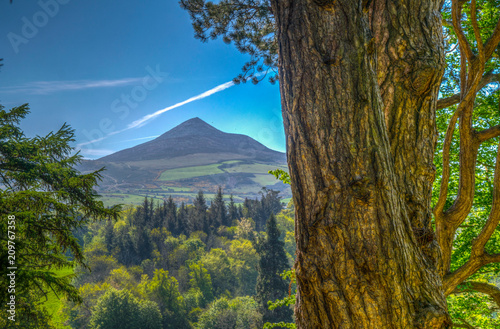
(142, 121)
(145, 119)
(47, 87)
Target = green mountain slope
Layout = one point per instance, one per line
(192, 156)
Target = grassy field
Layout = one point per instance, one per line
(264, 179)
(110, 199)
(176, 189)
(54, 304)
(190, 172)
(256, 168)
(220, 168)
(241, 178)
(116, 198)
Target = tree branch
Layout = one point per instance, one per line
(455, 99)
(456, 11)
(479, 257)
(489, 133)
(443, 193)
(494, 217)
(460, 208)
(477, 33)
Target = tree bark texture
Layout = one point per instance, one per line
(360, 263)
(410, 64)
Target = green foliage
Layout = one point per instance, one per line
(239, 313)
(182, 275)
(260, 210)
(50, 200)
(218, 212)
(164, 290)
(219, 267)
(29, 314)
(244, 266)
(270, 285)
(201, 280)
(281, 324)
(281, 175)
(119, 309)
(79, 314)
(198, 214)
(474, 309)
(247, 24)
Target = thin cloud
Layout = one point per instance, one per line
(139, 139)
(147, 118)
(98, 152)
(48, 87)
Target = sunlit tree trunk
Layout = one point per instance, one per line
(361, 257)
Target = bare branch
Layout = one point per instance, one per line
(456, 12)
(479, 257)
(455, 99)
(463, 74)
(489, 133)
(443, 193)
(469, 147)
(477, 33)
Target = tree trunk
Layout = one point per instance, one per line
(359, 263)
(410, 61)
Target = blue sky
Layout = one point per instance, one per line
(105, 67)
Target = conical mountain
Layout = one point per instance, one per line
(192, 156)
(196, 137)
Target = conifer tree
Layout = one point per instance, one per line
(144, 214)
(43, 200)
(270, 285)
(142, 243)
(218, 212)
(360, 86)
(182, 218)
(127, 254)
(142, 221)
(171, 219)
(109, 236)
(159, 215)
(198, 217)
(232, 210)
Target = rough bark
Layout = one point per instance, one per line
(359, 262)
(410, 62)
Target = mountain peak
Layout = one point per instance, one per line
(195, 137)
(191, 127)
(196, 120)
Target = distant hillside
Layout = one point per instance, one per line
(192, 156)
